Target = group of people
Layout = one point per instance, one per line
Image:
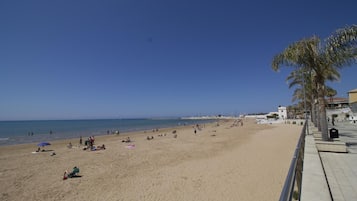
(89, 141)
(197, 127)
(89, 144)
(162, 135)
(238, 122)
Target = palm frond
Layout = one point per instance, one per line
(341, 47)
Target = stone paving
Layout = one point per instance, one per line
(341, 168)
(347, 133)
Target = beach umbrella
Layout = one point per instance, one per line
(42, 144)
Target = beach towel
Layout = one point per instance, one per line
(130, 146)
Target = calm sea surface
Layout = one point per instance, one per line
(20, 132)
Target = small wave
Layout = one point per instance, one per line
(4, 138)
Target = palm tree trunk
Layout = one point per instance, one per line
(317, 112)
(312, 112)
(322, 112)
(314, 95)
(317, 109)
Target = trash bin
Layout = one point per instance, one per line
(333, 133)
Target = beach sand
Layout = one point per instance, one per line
(222, 162)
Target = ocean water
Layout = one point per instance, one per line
(20, 132)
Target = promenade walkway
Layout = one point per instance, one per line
(341, 168)
(329, 176)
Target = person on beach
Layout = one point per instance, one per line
(90, 141)
(127, 140)
(74, 173)
(98, 148)
(80, 140)
(65, 175)
(333, 121)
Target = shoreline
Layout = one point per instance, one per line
(222, 162)
(66, 135)
(123, 135)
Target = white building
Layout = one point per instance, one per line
(282, 112)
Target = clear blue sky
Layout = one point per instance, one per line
(134, 58)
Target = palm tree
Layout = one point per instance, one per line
(323, 60)
(307, 91)
(301, 80)
(301, 55)
(292, 111)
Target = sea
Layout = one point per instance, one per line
(23, 132)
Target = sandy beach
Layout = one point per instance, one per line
(224, 162)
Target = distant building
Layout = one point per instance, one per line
(342, 109)
(336, 103)
(282, 112)
(352, 100)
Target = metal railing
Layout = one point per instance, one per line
(292, 186)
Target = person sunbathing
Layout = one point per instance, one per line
(101, 147)
(127, 140)
(74, 173)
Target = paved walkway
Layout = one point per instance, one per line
(341, 168)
